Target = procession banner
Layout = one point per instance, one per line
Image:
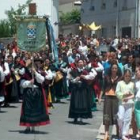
(54, 46)
(31, 34)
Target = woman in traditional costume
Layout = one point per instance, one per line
(34, 111)
(2, 84)
(81, 92)
(97, 86)
(6, 72)
(61, 90)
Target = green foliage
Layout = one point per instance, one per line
(5, 29)
(70, 17)
(12, 13)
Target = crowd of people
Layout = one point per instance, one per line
(88, 70)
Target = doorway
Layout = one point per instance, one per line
(126, 31)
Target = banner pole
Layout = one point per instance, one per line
(32, 60)
(49, 37)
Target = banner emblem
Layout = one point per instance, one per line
(31, 31)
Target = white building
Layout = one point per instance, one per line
(44, 7)
(117, 17)
(49, 7)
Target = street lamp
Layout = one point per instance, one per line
(137, 19)
(118, 19)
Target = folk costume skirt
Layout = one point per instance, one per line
(80, 103)
(34, 111)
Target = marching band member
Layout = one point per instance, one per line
(11, 86)
(34, 111)
(60, 84)
(48, 81)
(18, 64)
(97, 85)
(6, 72)
(81, 92)
(2, 88)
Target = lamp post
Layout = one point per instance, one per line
(118, 19)
(137, 35)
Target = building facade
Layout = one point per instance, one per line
(50, 8)
(117, 17)
(64, 7)
(44, 7)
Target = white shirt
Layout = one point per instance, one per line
(2, 75)
(49, 75)
(27, 83)
(7, 70)
(83, 50)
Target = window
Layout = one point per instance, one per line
(104, 32)
(92, 7)
(82, 10)
(114, 30)
(126, 31)
(124, 7)
(115, 3)
(103, 5)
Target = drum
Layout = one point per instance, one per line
(17, 77)
(9, 82)
(59, 76)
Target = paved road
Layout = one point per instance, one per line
(60, 128)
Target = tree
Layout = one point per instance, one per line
(70, 17)
(5, 30)
(12, 13)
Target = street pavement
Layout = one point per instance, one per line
(61, 127)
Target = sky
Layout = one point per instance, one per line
(6, 4)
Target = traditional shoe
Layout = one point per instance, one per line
(6, 105)
(33, 130)
(58, 101)
(27, 131)
(75, 121)
(81, 123)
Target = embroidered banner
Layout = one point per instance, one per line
(54, 46)
(31, 34)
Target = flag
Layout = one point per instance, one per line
(31, 34)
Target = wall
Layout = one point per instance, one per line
(44, 7)
(67, 29)
(111, 17)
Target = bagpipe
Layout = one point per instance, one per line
(83, 73)
(89, 81)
